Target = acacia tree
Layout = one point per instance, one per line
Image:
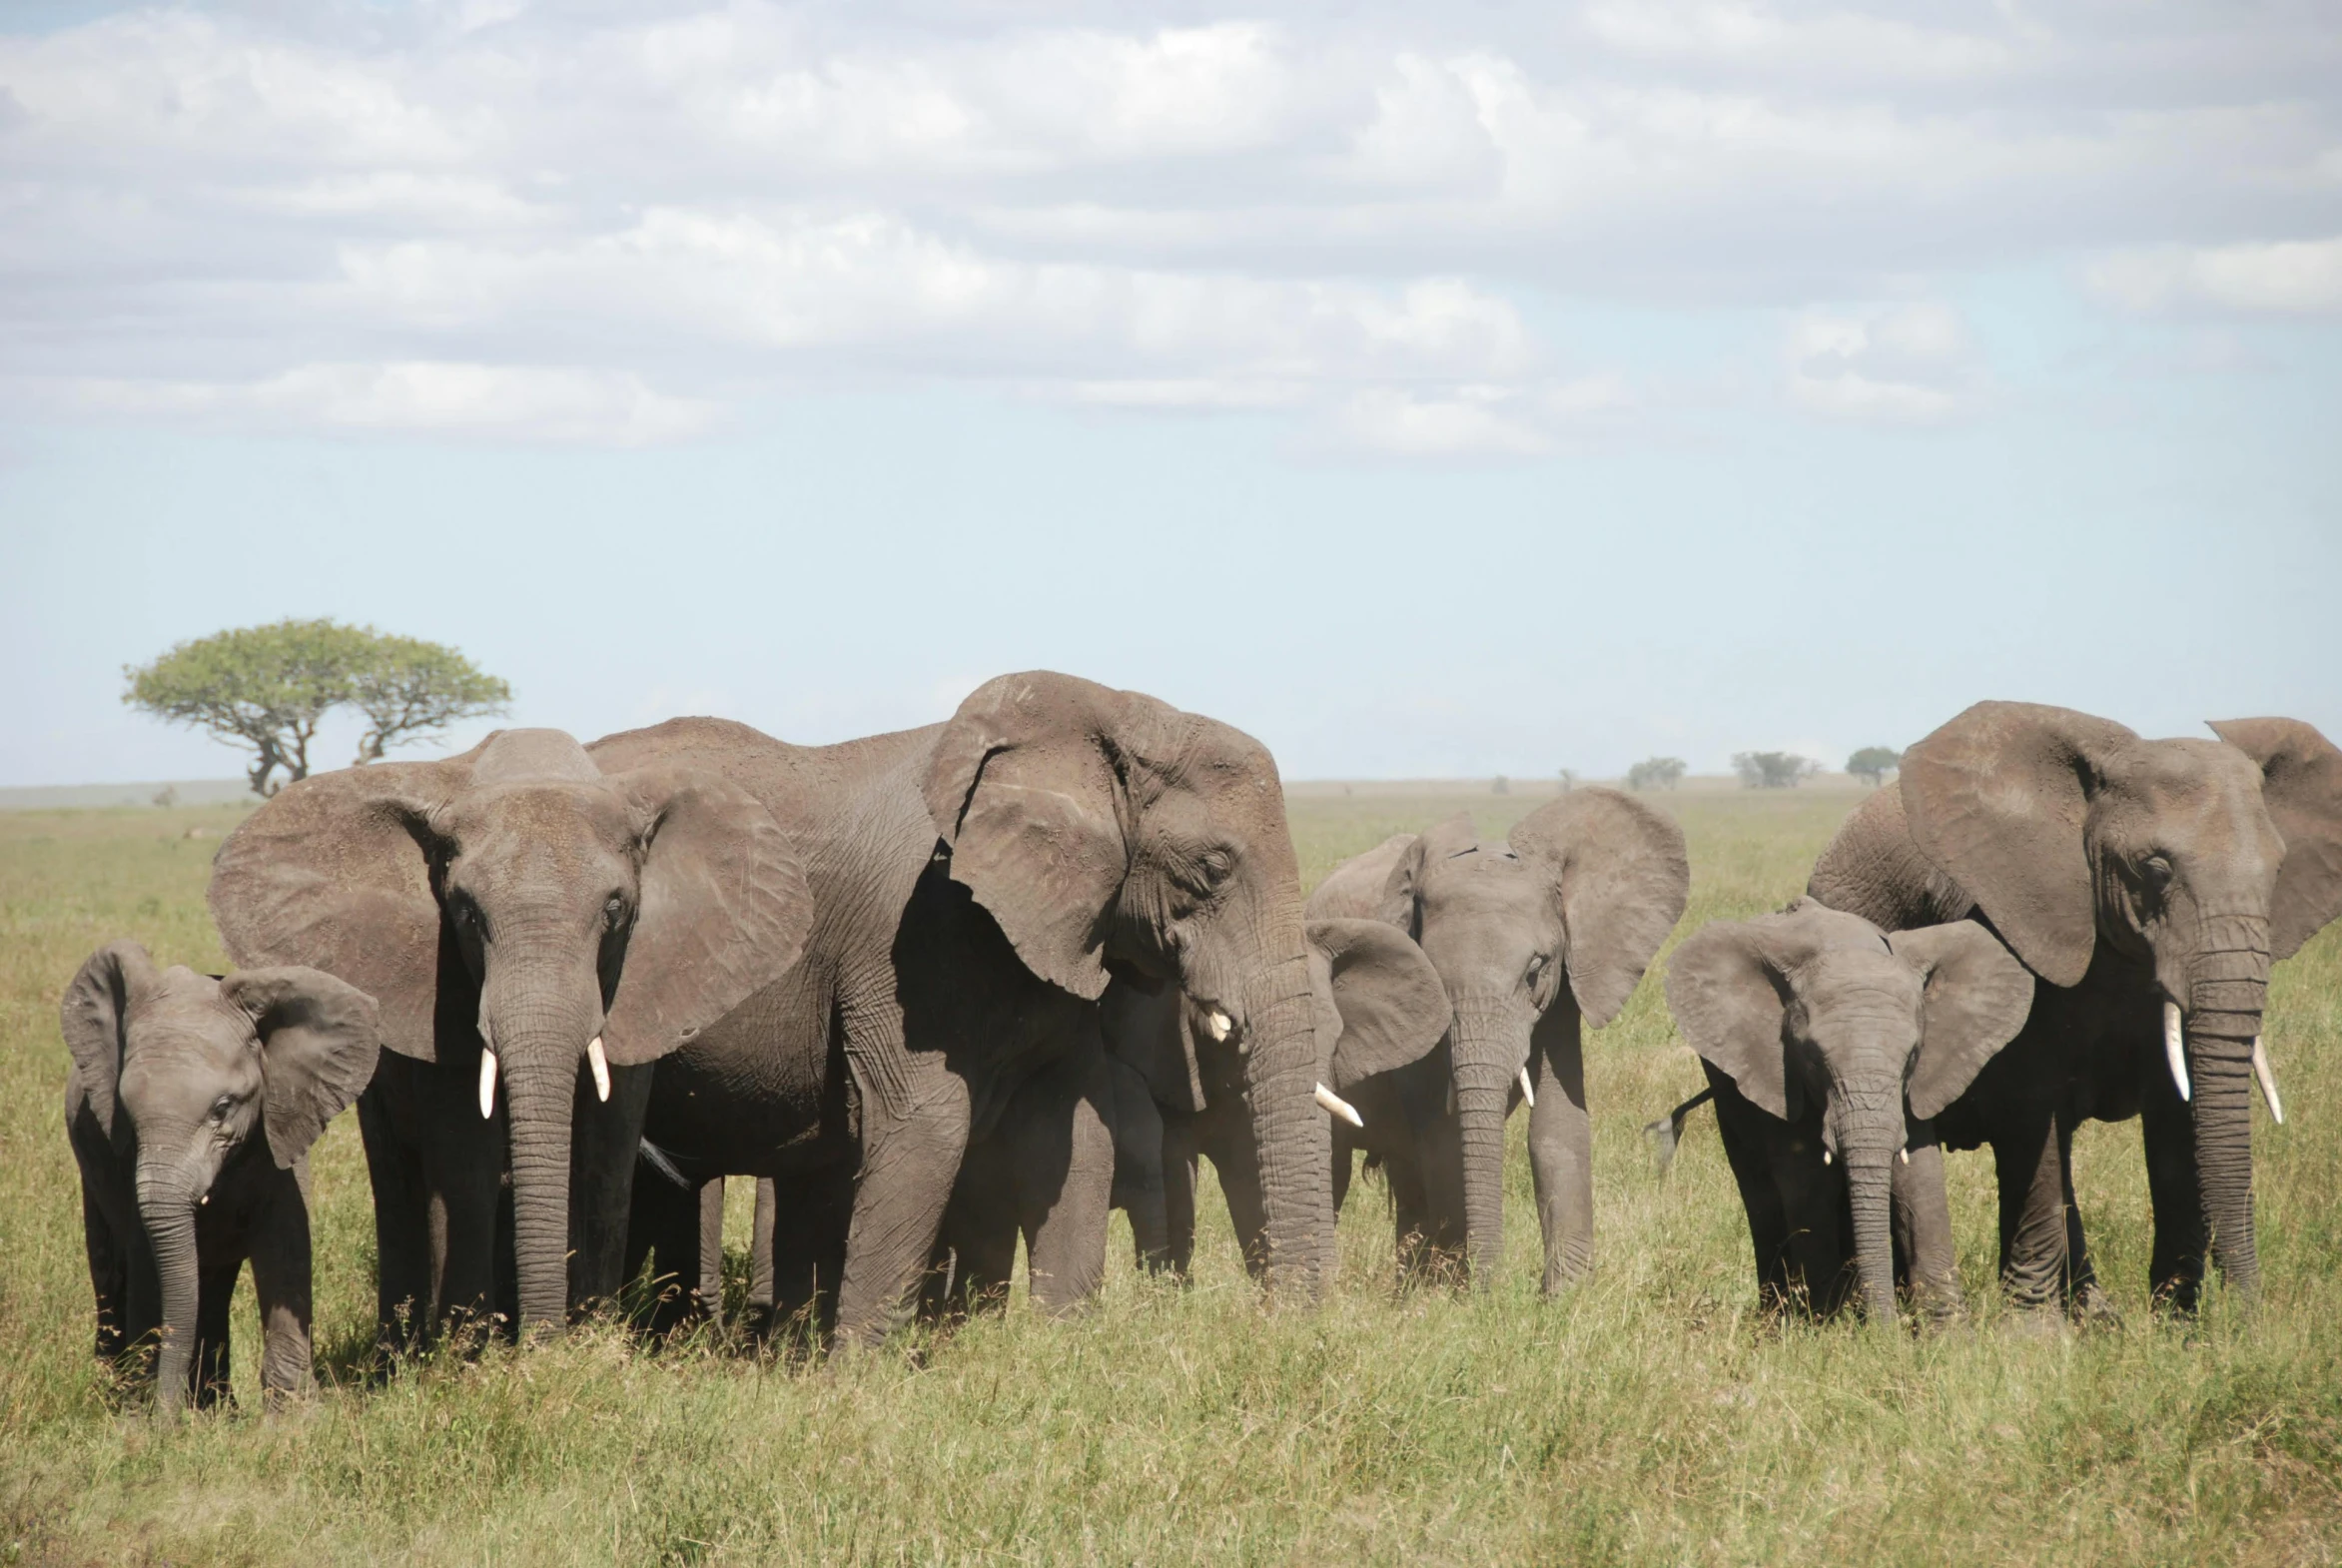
(1771, 769)
(268, 688)
(1655, 773)
(1874, 763)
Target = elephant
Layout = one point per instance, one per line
(1527, 935)
(1828, 1045)
(976, 883)
(529, 919)
(1179, 1093)
(191, 1108)
(2149, 885)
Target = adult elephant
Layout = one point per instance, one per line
(974, 883)
(2149, 884)
(527, 920)
(1378, 1007)
(1555, 923)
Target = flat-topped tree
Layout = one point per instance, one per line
(269, 687)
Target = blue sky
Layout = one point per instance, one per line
(1521, 390)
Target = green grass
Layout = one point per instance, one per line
(1649, 1416)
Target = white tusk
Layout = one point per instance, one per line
(1825, 1153)
(2175, 1048)
(1220, 1024)
(199, 1202)
(488, 1083)
(601, 1068)
(2260, 1069)
(1903, 1154)
(1341, 1107)
(1528, 1094)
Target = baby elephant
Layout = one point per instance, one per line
(191, 1108)
(1828, 1047)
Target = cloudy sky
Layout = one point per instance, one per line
(1431, 391)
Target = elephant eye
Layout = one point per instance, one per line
(1536, 966)
(614, 912)
(222, 1105)
(2157, 872)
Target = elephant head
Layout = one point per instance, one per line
(180, 1070)
(1105, 828)
(2200, 861)
(1376, 1005)
(1815, 1013)
(1567, 912)
(521, 914)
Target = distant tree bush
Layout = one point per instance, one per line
(1569, 780)
(1874, 763)
(1502, 786)
(1771, 769)
(1655, 773)
(269, 687)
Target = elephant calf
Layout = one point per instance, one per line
(1828, 1045)
(192, 1106)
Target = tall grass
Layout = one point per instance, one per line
(1649, 1415)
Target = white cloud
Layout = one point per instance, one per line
(2291, 277)
(1904, 365)
(524, 402)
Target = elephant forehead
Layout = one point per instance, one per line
(2187, 795)
(1848, 980)
(569, 827)
(1485, 880)
(183, 1030)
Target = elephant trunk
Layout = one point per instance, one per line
(2228, 986)
(167, 1206)
(1488, 1047)
(1870, 1127)
(1282, 1071)
(540, 1041)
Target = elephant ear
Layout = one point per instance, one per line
(94, 1020)
(1730, 994)
(722, 912)
(1403, 883)
(334, 873)
(1144, 1030)
(1027, 787)
(1380, 1004)
(1619, 870)
(1996, 799)
(2301, 784)
(1353, 889)
(320, 1037)
(1977, 998)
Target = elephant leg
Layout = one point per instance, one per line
(1812, 1198)
(909, 1165)
(604, 1148)
(1065, 1181)
(1179, 1194)
(1923, 1231)
(2025, 1157)
(1236, 1159)
(664, 1235)
(2085, 1299)
(1561, 1148)
(208, 1367)
(808, 1241)
(109, 1275)
(708, 1290)
(2175, 1269)
(759, 1317)
(975, 1256)
(280, 1283)
(1747, 1149)
(1138, 1161)
(402, 1242)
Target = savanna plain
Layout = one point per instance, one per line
(1651, 1415)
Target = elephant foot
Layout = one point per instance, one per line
(2035, 1323)
(2092, 1308)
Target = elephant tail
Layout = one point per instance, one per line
(1666, 1132)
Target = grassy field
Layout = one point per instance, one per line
(1649, 1416)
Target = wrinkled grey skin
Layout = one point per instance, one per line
(517, 894)
(2126, 873)
(1527, 935)
(972, 883)
(1179, 1094)
(192, 1107)
(1822, 1036)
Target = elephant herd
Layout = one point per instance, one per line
(950, 988)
